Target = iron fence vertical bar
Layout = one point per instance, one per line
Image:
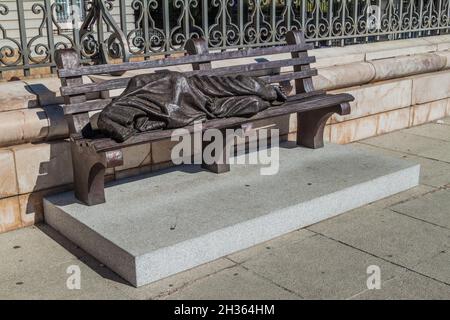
(187, 9)
(205, 22)
(23, 38)
(420, 18)
(344, 8)
(431, 21)
(366, 15)
(448, 16)
(288, 12)
(413, 7)
(100, 31)
(316, 36)
(304, 26)
(389, 5)
(355, 22)
(50, 37)
(330, 21)
(166, 24)
(273, 37)
(378, 31)
(146, 35)
(438, 31)
(123, 16)
(241, 22)
(223, 23)
(400, 20)
(258, 26)
(76, 31)
(430, 17)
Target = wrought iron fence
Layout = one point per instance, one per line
(31, 30)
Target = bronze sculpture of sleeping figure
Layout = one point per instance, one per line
(168, 100)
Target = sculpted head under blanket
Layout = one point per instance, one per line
(167, 100)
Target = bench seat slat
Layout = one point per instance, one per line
(293, 106)
(173, 61)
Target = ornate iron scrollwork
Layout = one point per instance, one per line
(223, 32)
(185, 27)
(289, 19)
(146, 36)
(11, 51)
(162, 26)
(93, 45)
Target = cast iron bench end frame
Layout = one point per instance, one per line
(93, 153)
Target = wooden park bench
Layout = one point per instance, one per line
(92, 153)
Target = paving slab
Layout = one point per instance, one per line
(29, 251)
(445, 121)
(437, 267)
(408, 285)
(431, 130)
(34, 266)
(433, 173)
(403, 196)
(166, 222)
(274, 244)
(235, 283)
(172, 284)
(433, 207)
(51, 283)
(319, 268)
(387, 234)
(413, 144)
(46, 275)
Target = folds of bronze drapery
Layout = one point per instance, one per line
(167, 100)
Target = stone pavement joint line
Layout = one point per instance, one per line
(380, 257)
(266, 278)
(422, 220)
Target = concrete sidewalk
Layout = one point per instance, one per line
(407, 236)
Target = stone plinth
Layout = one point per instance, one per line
(178, 218)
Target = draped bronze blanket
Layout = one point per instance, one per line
(167, 100)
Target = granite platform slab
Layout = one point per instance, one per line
(159, 224)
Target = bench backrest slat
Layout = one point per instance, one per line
(88, 106)
(123, 82)
(290, 76)
(174, 61)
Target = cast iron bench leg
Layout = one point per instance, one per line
(88, 174)
(311, 124)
